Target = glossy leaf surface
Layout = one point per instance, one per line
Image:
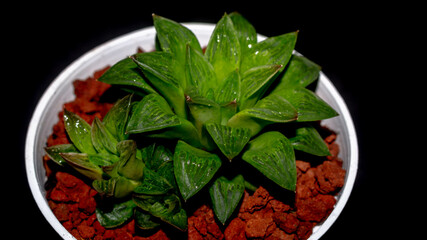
(223, 50)
(310, 106)
(166, 207)
(230, 140)
(274, 50)
(272, 154)
(308, 140)
(79, 132)
(193, 168)
(103, 141)
(115, 120)
(81, 162)
(54, 152)
(226, 195)
(127, 73)
(151, 113)
(116, 215)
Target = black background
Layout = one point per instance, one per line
(357, 44)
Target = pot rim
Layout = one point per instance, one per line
(33, 129)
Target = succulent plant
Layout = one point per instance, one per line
(216, 103)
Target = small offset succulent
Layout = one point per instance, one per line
(215, 103)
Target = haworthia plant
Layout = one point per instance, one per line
(215, 105)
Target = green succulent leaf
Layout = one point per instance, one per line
(54, 152)
(79, 132)
(155, 156)
(166, 207)
(310, 106)
(300, 72)
(144, 220)
(117, 187)
(272, 154)
(230, 140)
(308, 140)
(223, 50)
(200, 72)
(245, 31)
(129, 165)
(274, 50)
(203, 110)
(151, 113)
(126, 73)
(115, 120)
(102, 140)
(193, 168)
(255, 82)
(153, 184)
(271, 109)
(226, 195)
(229, 90)
(166, 75)
(81, 162)
(115, 215)
(174, 37)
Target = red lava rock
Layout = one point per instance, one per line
(259, 227)
(235, 230)
(330, 176)
(316, 208)
(286, 221)
(280, 235)
(307, 185)
(202, 225)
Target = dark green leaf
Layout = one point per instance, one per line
(255, 81)
(229, 90)
(166, 207)
(117, 187)
(79, 132)
(270, 109)
(174, 37)
(246, 33)
(272, 154)
(151, 113)
(155, 156)
(116, 119)
(103, 159)
(299, 73)
(115, 215)
(103, 141)
(310, 107)
(166, 75)
(308, 140)
(144, 220)
(230, 140)
(274, 50)
(223, 50)
(185, 131)
(226, 195)
(200, 73)
(203, 110)
(153, 184)
(193, 168)
(127, 73)
(81, 162)
(129, 165)
(54, 152)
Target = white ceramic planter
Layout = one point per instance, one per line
(61, 91)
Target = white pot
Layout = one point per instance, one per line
(60, 91)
